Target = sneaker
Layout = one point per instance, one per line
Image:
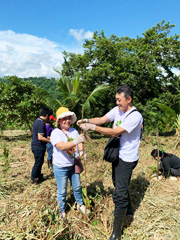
(173, 178)
(82, 209)
(63, 215)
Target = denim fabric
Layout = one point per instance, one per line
(62, 175)
(39, 153)
(121, 175)
(49, 148)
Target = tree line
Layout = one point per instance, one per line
(146, 63)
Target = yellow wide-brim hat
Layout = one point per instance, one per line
(64, 112)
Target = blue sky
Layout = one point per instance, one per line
(33, 33)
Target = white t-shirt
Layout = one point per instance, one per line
(129, 140)
(63, 158)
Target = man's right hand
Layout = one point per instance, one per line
(85, 120)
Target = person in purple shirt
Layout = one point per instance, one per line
(49, 146)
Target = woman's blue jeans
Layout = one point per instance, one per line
(62, 175)
(49, 148)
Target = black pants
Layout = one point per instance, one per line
(39, 153)
(175, 172)
(121, 175)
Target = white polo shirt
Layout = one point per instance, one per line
(129, 140)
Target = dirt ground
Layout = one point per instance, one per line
(30, 211)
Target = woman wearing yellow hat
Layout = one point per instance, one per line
(66, 141)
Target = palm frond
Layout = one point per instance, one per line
(58, 70)
(177, 122)
(71, 101)
(75, 82)
(166, 109)
(96, 93)
(53, 102)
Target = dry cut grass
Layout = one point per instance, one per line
(31, 212)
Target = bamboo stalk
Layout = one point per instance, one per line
(85, 178)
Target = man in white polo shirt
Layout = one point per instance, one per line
(127, 123)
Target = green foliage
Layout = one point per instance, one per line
(20, 103)
(68, 88)
(71, 93)
(177, 123)
(161, 116)
(5, 165)
(146, 64)
(96, 94)
(84, 197)
(95, 223)
(154, 168)
(49, 85)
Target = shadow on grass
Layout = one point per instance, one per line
(97, 195)
(168, 134)
(137, 189)
(25, 137)
(95, 192)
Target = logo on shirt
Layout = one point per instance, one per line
(70, 151)
(118, 123)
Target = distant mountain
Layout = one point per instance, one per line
(46, 84)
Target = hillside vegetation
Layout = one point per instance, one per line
(30, 211)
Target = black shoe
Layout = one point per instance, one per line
(41, 176)
(35, 181)
(119, 217)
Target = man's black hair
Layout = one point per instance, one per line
(45, 111)
(128, 92)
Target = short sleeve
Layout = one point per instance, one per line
(131, 122)
(56, 137)
(41, 128)
(111, 114)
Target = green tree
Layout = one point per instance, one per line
(20, 102)
(145, 63)
(70, 90)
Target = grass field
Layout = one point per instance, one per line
(30, 211)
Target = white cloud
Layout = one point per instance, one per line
(176, 71)
(80, 34)
(25, 55)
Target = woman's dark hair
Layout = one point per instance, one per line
(162, 154)
(128, 92)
